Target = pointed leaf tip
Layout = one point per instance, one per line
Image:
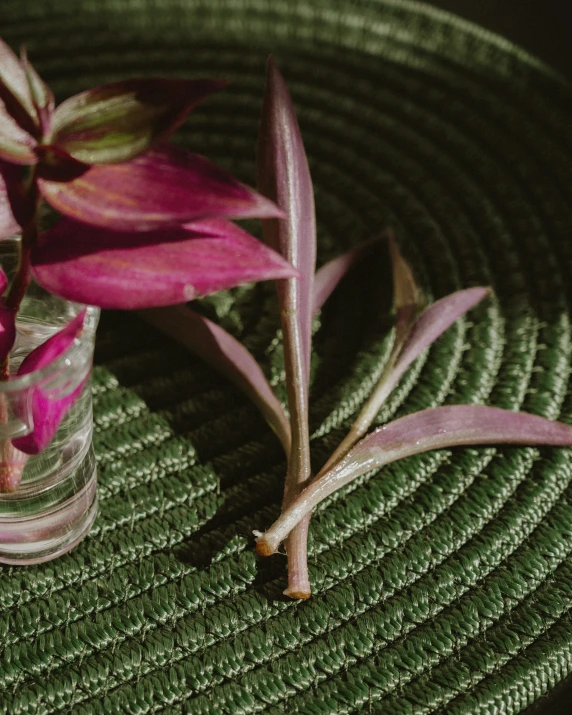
(435, 320)
(15, 92)
(407, 298)
(42, 96)
(284, 177)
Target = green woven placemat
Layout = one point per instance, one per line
(441, 584)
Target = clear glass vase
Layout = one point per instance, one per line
(54, 505)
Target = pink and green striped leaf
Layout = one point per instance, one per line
(42, 96)
(119, 121)
(15, 91)
(16, 145)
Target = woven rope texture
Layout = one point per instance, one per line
(441, 584)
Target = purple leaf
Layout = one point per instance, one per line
(48, 411)
(117, 122)
(437, 428)
(430, 325)
(165, 187)
(124, 270)
(407, 303)
(42, 96)
(221, 350)
(433, 322)
(284, 177)
(15, 90)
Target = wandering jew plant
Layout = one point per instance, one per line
(284, 177)
(142, 223)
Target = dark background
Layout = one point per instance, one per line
(544, 28)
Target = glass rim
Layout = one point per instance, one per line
(21, 382)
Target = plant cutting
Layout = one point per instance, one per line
(284, 177)
(141, 223)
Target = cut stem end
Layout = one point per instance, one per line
(298, 595)
(263, 548)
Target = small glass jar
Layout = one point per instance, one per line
(55, 503)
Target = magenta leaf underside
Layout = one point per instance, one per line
(47, 409)
(166, 187)
(128, 271)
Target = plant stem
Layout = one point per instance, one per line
(12, 461)
(299, 467)
(343, 472)
(289, 523)
(11, 467)
(365, 418)
(21, 281)
(24, 272)
(297, 550)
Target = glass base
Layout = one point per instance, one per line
(37, 537)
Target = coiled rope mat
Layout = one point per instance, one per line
(441, 584)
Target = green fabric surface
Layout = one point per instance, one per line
(441, 584)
